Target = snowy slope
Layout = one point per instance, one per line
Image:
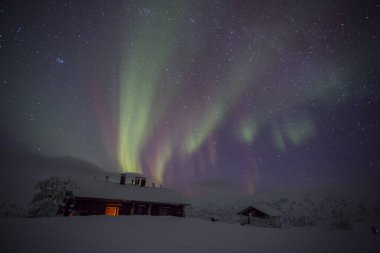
(21, 171)
(170, 234)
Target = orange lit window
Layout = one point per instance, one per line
(112, 210)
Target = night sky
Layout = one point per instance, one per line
(265, 94)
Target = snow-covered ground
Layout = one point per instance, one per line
(311, 223)
(170, 234)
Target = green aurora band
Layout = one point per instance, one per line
(146, 57)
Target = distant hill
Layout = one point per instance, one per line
(32, 164)
(21, 171)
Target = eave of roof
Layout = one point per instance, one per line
(264, 209)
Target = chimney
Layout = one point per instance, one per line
(122, 178)
(143, 182)
(139, 181)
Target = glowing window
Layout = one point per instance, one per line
(112, 210)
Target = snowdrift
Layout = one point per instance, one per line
(170, 234)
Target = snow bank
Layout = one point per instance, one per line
(171, 234)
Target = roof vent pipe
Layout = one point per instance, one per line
(122, 178)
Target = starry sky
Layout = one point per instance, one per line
(264, 94)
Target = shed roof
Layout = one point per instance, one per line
(113, 190)
(262, 208)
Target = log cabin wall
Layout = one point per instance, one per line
(126, 209)
(90, 207)
(94, 206)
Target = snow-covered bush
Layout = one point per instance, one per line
(11, 210)
(342, 224)
(299, 221)
(376, 208)
(51, 195)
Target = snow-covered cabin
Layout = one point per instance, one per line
(99, 197)
(260, 214)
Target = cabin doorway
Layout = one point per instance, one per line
(164, 211)
(142, 210)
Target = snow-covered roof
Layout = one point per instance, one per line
(116, 176)
(264, 209)
(112, 190)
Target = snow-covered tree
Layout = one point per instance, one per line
(51, 195)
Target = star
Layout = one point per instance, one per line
(59, 60)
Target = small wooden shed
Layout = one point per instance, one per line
(260, 215)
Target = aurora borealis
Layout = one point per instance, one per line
(264, 94)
